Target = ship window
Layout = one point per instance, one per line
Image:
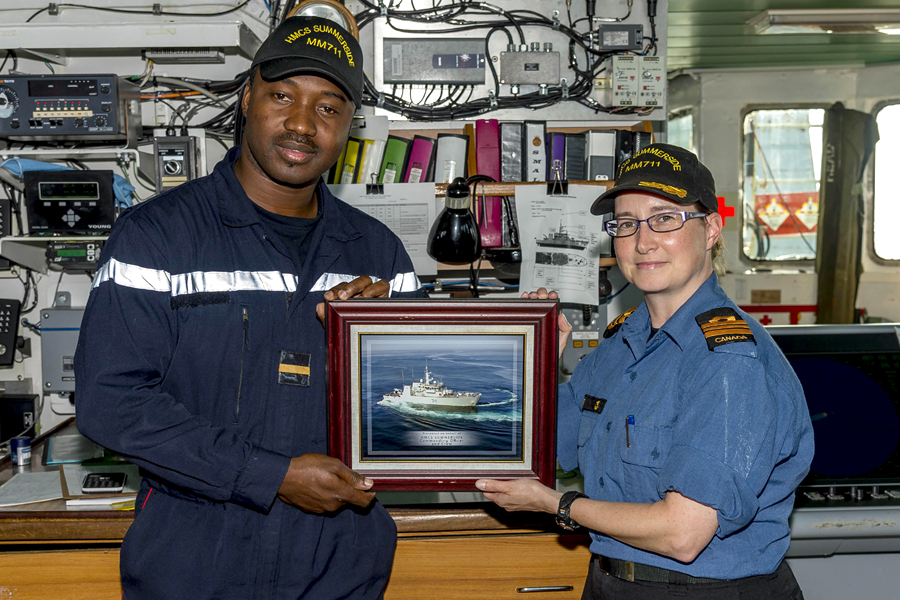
(681, 129)
(782, 161)
(886, 210)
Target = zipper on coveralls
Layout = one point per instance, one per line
(244, 344)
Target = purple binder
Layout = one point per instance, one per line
(417, 167)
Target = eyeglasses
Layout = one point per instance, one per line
(660, 223)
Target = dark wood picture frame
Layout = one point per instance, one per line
(527, 327)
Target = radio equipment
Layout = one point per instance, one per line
(69, 202)
(69, 107)
(74, 256)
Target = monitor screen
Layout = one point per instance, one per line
(851, 378)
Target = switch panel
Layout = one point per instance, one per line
(653, 81)
(626, 80)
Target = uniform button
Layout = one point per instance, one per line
(655, 454)
(633, 376)
(600, 481)
(608, 425)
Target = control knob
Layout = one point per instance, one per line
(9, 102)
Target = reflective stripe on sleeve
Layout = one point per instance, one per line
(133, 276)
(237, 281)
(402, 282)
(405, 282)
(329, 280)
(198, 282)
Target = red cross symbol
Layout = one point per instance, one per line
(765, 318)
(725, 211)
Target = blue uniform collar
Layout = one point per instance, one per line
(681, 327)
(237, 210)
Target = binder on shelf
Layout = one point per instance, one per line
(367, 165)
(393, 163)
(334, 173)
(374, 130)
(451, 157)
(512, 146)
(353, 153)
(575, 157)
(601, 154)
(624, 146)
(535, 151)
(642, 139)
(471, 158)
(487, 156)
(556, 155)
(420, 159)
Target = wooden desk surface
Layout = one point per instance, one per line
(52, 523)
(49, 551)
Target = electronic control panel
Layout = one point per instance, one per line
(75, 255)
(68, 107)
(73, 202)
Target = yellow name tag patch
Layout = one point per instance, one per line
(293, 369)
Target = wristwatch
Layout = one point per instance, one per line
(565, 505)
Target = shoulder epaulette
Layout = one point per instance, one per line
(614, 325)
(724, 326)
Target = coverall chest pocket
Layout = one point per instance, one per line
(645, 450)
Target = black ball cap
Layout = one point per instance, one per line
(313, 45)
(665, 170)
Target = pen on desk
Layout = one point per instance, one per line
(629, 422)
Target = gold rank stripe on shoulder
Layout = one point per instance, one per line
(718, 328)
(722, 326)
(616, 323)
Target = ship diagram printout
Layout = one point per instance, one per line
(561, 242)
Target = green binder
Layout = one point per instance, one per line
(393, 165)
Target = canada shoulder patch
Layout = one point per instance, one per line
(616, 323)
(724, 326)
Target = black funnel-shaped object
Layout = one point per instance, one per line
(454, 237)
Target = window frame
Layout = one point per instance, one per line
(869, 201)
(767, 262)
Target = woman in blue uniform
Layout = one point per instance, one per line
(688, 424)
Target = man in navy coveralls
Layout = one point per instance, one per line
(201, 357)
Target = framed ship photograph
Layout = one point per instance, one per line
(435, 394)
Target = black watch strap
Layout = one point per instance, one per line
(565, 505)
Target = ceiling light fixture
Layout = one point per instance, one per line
(838, 20)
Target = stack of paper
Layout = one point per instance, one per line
(25, 488)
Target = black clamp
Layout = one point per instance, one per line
(556, 185)
(374, 188)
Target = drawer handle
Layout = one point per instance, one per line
(546, 588)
